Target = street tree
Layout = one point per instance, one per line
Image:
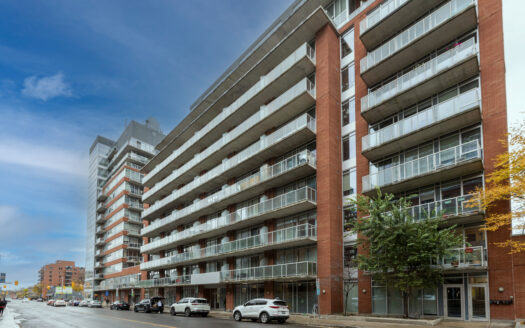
(398, 250)
(506, 182)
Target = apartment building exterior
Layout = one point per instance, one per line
(248, 193)
(114, 223)
(60, 273)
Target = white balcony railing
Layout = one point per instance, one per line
(385, 9)
(303, 231)
(285, 65)
(424, 165)
(465, 257)
(439, 112)
(449, 207)
(414, 32)
(264, 142)
(420, 73)
(265, 173)
(245, 126)
(278, 271)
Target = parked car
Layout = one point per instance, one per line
(83, 303)
(118, 305)
(70, 303)
(150, 305)
(262, 309)
(40, 299)
(76, 303)
(59, 303)
(190, 305)
(95, 304)
(51, 302)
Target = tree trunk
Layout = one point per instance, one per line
(405, 304)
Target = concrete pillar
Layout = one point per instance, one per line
(329, 176)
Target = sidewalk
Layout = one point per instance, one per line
(8, 319)
(376, 322)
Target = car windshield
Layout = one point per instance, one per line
(280, 303)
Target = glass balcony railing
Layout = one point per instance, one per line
(439, 112)
(264, 142)
(245, 126)
(303, 231)
(420, 73)
(414, 32)
(465, 257)
(449, 207)
(385, 9)
(166, 281)
(424, 165)
(279, 70)
(245, 213)
(265, 173)
(288, 270)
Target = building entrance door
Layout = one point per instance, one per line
(478, 301)
(454, 308)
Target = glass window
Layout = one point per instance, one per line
(348, 109)
(349, 182)
(378, 300)
(346, 148)
(347, 77)
(347, 43)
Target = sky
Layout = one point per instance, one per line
(71, 70)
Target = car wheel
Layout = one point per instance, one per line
(187, 312)
(237, 316)
(264, 318)
(135, 309)
(172, 311)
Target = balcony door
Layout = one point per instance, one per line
(478, 301)
(454, 302)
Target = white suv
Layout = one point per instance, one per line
(263, 309)
(190, 305)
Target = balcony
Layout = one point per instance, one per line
(136, 206)
(450, 21)
(288, 170)
(390, 17)
(101, 197)
(288, 271)
(99, 253)
(100, 230)
(132, 244)
(133, 259)
(98, 276)
(296, 236)
(296, 201)
(100, 241)
(440, 119)
(457, 210)
(447, 69)
(289, 72)
(441, 166)
(289, 136)
(101, 208)
(279, 111)
(99, 265)
(166, 281)
(465, 258)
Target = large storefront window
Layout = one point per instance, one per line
(300, 296)
(351, 297)
(390, 301)
(244, 293)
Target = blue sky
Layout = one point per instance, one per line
(70, 70)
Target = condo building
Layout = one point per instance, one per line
(115, 190)
(58, 274)
(248, 194)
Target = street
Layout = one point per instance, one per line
(39, 315)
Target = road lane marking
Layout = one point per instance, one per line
(142, 322)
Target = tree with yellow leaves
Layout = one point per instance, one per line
(506, 183)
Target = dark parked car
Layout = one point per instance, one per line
(76, 302)
(150, 305)
(118, 305)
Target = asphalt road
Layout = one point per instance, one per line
(39, 315)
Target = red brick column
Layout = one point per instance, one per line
(329, 177)
(494, 128)
(229, 298)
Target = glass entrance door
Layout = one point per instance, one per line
(478, 301)
(454, 301)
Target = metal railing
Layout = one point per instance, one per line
(303, 231)
(424, 165)
(265, 173)
(296, 56)
(449, 207)
(461, 103)
(464, 257)
(415, 31)
(383, 10)
(288, 270)
(419, 74)
(264, 142)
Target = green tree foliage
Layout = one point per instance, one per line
(397, 250)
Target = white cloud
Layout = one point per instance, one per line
(47, 87)
(60, 160)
